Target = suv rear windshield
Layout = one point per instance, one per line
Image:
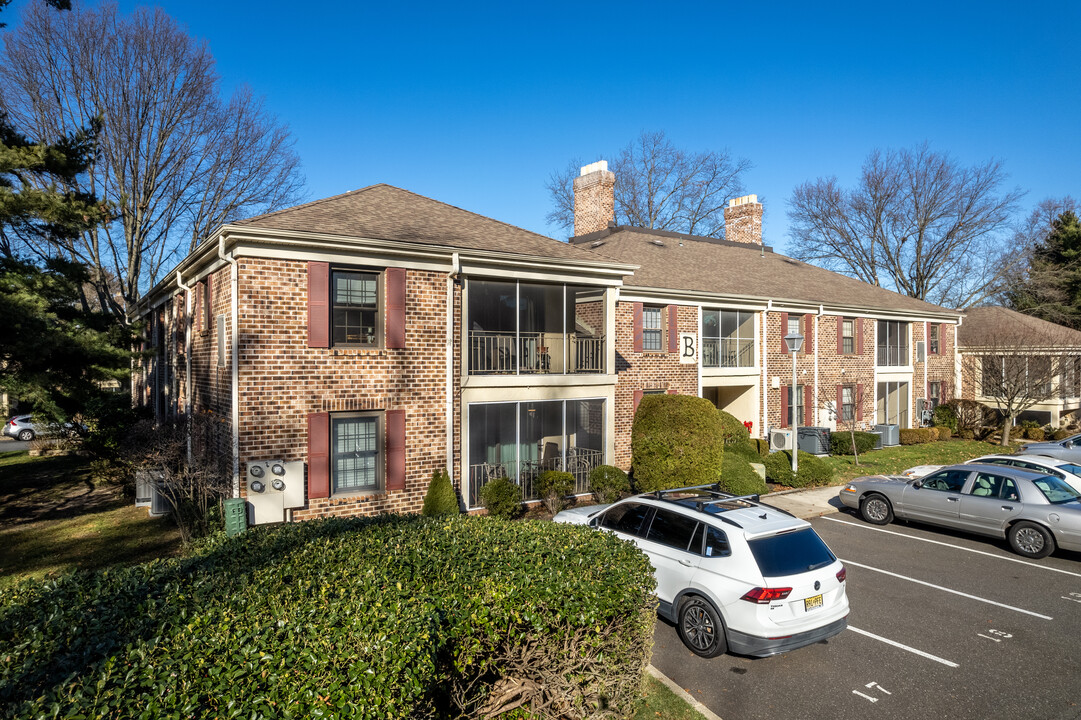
(790, 553)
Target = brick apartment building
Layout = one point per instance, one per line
(376, 336)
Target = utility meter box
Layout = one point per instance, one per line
(273, 486)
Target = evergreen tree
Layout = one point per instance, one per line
(1051, 290)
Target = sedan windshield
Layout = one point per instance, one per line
(1056, 490)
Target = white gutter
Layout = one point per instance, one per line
(452, 277)
(187, 356)
(234, 291)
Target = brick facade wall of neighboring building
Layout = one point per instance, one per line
(282, 380)
(940, 368)
(647, 371)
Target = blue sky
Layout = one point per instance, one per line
(477, 104)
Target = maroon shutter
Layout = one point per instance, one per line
(318, 304)
(840, 404)
(859, 402)
(840, 335)
(637, 313)
(808, 406)
(197, 317)
(395, 322)
(808, 324)
(859, 335)
(637, 399)
(318, 455)
(784, 331)
(785, 412)
(941, 339)
(395, 450)
(673, 329)
(208, 303)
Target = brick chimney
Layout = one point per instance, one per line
(594, 198)
(743, 220)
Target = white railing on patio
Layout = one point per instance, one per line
(579, 462)
(494, 353)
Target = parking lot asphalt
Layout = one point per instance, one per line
(942, 624)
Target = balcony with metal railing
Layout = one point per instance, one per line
(579, 462)
(727, 353)
(509, 353)
(893, 356)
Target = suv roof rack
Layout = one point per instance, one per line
(718, 497)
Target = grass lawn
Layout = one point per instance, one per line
(54, 519)
(660, 702)
(901, 457)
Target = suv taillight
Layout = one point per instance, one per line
(763, 596)
(842, 574)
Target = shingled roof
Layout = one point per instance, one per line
(996, 326)
(386, 212)
(670, 261)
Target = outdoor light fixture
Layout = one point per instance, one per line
(794, 342)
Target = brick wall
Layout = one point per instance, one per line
(646, 371)
(282, 380)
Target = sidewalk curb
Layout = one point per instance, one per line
(686, 696)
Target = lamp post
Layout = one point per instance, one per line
(794, 342)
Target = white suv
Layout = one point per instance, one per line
(732, 573)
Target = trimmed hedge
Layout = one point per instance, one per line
(841, 442)
(502, 498)
(812, 470)
(1062, 434)
(761, 445)
(386, 617)
(915, 436)
(734, 431)
(1036, 433)
(676, 440)
(608, 483)
(739, 478)
(745, 450)
(440, 498)
(944, 433)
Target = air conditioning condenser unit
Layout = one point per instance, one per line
(781, 440)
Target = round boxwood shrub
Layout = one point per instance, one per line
(841, 442)
(502, 498)
(387, 617)
(440, 498)
(552, 487)
(812, 472)
(734, 430)
(676, 440)
(608, 483)
(1036, 433)
(1062, 434)
(739, 478)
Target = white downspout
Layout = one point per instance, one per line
(456, 268)
(234, 335)
(188, 325)
(818, 349)
(765, 371)
(957, 377)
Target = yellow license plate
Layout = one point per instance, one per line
(812, 602)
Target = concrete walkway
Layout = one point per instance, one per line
(808, 503)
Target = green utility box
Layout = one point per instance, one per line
(236, 516)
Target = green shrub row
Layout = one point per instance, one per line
(385, 617)
(917, 436)
(733, 430)
(739, 478)
(841, 442)
(812, 471)
(676, 441)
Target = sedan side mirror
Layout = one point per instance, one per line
(918, 484)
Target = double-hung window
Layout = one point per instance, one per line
(848, 403)
(933, 339)
(355, 312)
(848, 336)
(652, 329)
(356, 449)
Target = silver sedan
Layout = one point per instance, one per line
(1035, 512)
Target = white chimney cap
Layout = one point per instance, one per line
(599, 166)
(745, 200)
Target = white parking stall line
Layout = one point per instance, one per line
(955, 547)
(896, 644)
(946, 589)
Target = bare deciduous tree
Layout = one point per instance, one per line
(1018, 368)
(660, 186)
(174, 159)
(917, 222)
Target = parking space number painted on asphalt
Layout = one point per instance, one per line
(1076, 597)
(870, 686)
(996, 635)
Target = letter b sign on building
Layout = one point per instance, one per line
(688, 348)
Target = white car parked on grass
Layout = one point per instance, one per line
(1062, 469)
(732, 573)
